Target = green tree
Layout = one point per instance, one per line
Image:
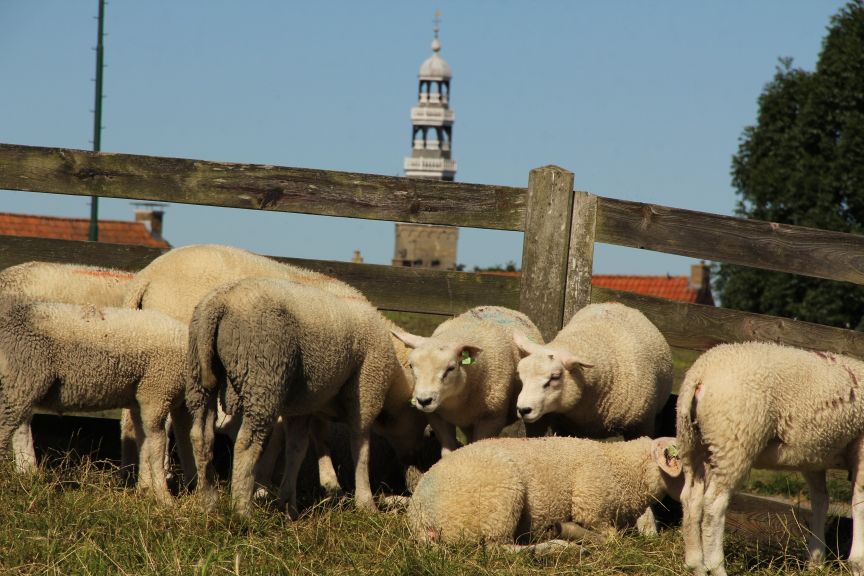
(803, 163)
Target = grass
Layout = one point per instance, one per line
(77, 518)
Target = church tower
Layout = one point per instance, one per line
(423, 245)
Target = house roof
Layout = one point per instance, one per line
(113, 231)
(668, 287)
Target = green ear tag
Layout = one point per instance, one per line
(467, 360)
(671, 451)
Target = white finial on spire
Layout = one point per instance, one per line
(436, 44)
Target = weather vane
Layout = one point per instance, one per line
(436, 21)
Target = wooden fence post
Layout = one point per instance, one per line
(580, 261)
(545, 248)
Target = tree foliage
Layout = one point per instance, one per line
(803, 163)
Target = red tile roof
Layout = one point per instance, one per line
(668, 287)
(113, 231)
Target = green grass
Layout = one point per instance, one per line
(79, 519)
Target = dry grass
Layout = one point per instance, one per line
(78, 519)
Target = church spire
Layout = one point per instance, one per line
(432, 120)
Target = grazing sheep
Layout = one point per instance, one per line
(177, 281)
(504, 490)
(607, 372)
(52, 282)
(767, 406)
(272, 347)
(465, 373)
(68, 357)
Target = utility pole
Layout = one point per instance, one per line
(97, 120)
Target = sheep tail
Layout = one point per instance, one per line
(202, 360)
(135, 294)
(689, 436)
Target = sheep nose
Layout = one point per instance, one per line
(424, 401)
(524, 412)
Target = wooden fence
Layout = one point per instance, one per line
(560, 229)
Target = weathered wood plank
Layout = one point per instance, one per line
(580, 260)
(260, 187)
(754, 243)
(401, 289)
(19, 249)
(418, 290)
(698, 327)
(548, 219)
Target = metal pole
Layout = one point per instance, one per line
(97, 121)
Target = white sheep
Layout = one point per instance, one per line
(767, 406)
(465, 373)
(291, 350)
(177, 281)
(504, 490)
(68, 357)
(52, 282)
(608, 372)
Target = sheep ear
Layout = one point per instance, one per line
(525, 345)
(467, 354)
(570, 361)
(666, 455)
(409, 340)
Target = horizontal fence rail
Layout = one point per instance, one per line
(387, 287)
(758, 244)
(260, 187)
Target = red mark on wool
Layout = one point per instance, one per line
(826, 356)
(105, 273)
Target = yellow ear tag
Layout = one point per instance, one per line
(467, 360)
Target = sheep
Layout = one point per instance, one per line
(765, 405)
(52, 282)
(505, 490)
(608, 372)
(71, 357)
(465, 373)
(272, 347)
(177, 281)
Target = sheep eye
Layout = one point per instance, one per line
(448, 370)
(555, 376)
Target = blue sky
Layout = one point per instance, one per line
(643, 101)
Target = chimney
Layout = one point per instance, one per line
(151, 214)
(700, 276)
(357, 258)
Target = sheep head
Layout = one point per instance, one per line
(439, 369)
(548, 382)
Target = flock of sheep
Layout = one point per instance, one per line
(212, 338)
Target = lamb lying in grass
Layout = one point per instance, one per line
(465, 373)
(51, 282)
(271, 347)
(66, 357)
(767, 406)
(506, 490)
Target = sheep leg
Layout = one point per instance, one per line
(691, 522)
(819, 512)
(646, 524)
(362, 489)
(445, 432)
(716, 500)
(22, 447)
(151, 465)
(326, 472)
(296, 443)
(201, 436)
(856, 552)
(181, 423)
(267, 463)
(128, 446)
(247, 449)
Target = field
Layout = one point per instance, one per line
(77, 518)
